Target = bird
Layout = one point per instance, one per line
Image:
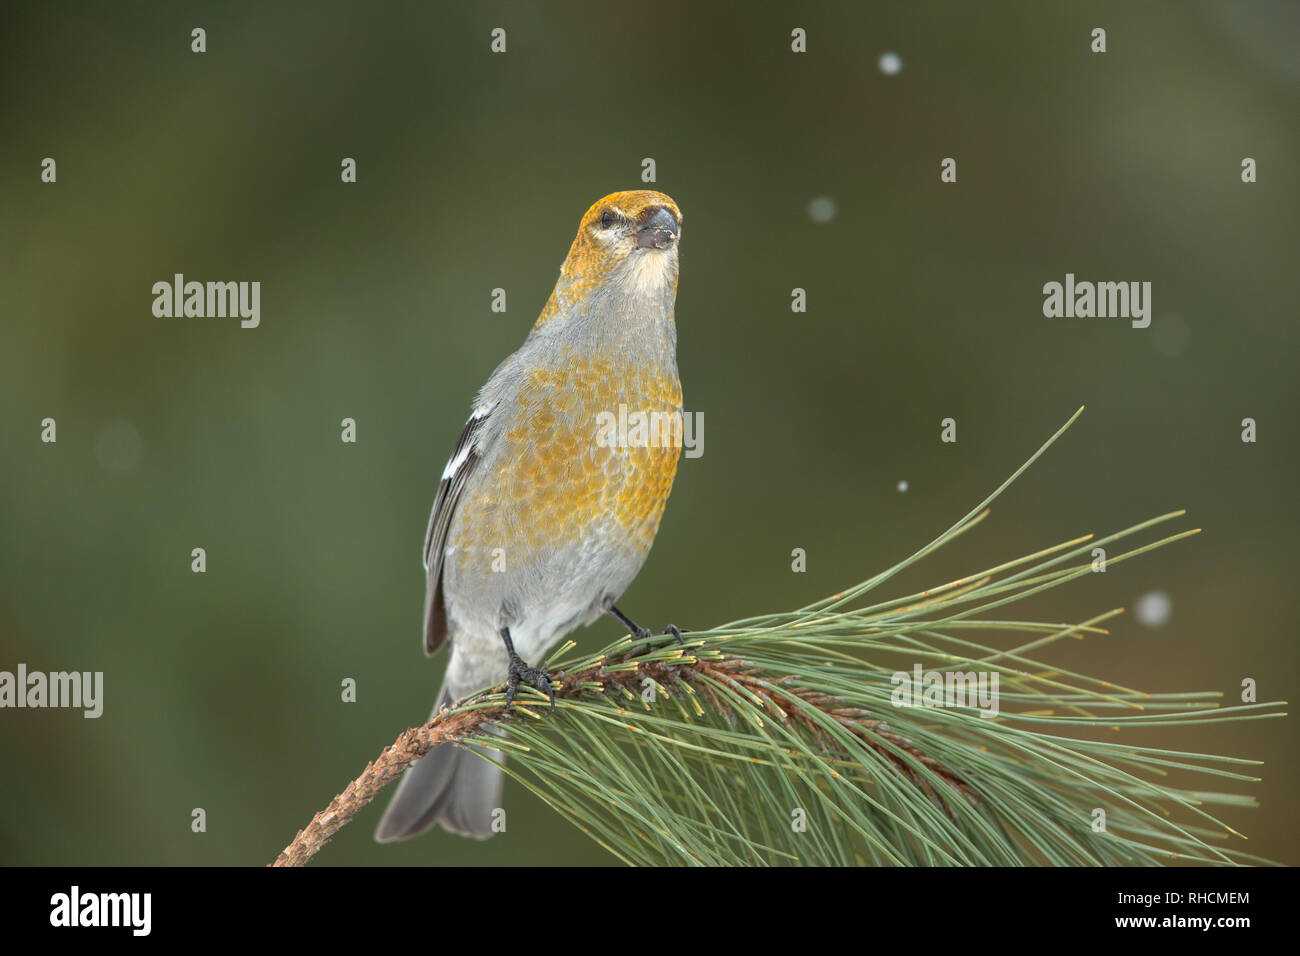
(548, 505)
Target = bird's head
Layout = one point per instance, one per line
(628, 238)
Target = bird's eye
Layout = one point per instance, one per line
(606, 219)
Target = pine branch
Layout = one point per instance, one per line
(780, 738)
(464, 722)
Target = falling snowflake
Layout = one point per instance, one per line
(1153, 609)
(822, 209)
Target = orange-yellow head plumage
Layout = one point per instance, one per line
(627, 238)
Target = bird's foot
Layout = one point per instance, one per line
(521, 673)
(640, 633)
(646, 634)
(672, 630)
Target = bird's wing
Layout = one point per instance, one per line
(463, 460)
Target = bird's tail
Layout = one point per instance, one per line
(449, 785)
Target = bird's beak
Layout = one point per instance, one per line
(659, 232)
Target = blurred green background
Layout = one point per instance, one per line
(924, 302)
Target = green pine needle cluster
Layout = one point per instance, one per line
(775, 740)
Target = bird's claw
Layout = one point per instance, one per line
(644, 633)
(672, 630)
(535, 677)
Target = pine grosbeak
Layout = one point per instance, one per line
(543, 517)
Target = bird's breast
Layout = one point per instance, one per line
(586, 459)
